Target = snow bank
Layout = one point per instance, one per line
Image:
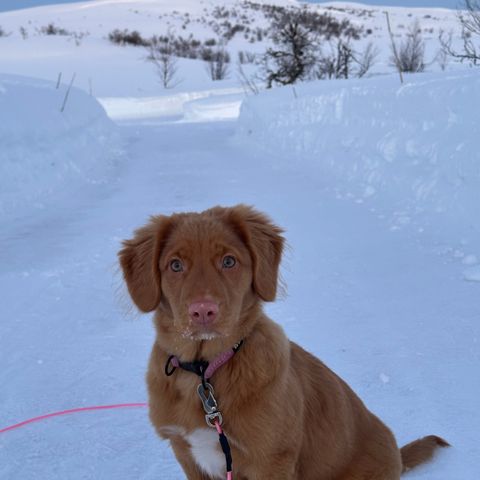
(45, 151)
(204, 105)
(213, 108)
(414, 147)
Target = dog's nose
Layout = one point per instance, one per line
(203, 312)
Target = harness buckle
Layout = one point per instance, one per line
(206, 394)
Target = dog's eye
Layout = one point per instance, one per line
(176, 265)
(228, 261)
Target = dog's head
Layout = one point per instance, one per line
(203, 272)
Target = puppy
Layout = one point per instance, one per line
(287, 416)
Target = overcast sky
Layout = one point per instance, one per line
(408, 3)
(15, 4)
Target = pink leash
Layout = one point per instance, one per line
(89, 409)
(214, 365)
(217, 362)
(72, 410)
(220, 432)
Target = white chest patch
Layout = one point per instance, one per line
(206, 452)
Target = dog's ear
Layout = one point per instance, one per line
(139, 259)
(265, 243)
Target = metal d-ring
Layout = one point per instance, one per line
(210, 419)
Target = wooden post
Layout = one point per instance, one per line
(67, 93)
(59, 79)
(394, 48)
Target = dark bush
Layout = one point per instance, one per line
(322, 24)
(125, 37)
(52, 29)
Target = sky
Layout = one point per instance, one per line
(407, 3)
(6, 5)
(16, 4)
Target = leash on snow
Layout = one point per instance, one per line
(205, 391)
(70, 411)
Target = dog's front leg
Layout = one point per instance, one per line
(281, 466)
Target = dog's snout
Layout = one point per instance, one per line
(203, 312)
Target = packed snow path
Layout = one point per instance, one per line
(386, 309)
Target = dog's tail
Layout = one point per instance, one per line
(420, 451)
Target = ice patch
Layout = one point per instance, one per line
(388, 148)
(472, 274)
(470, 260)
(384, 378)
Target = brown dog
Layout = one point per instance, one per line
(287, 415)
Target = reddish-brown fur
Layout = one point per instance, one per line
(286, 414)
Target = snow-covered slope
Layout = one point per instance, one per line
(381, 142)
(44, 150)
(86, 50)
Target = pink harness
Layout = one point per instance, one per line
(203, 369)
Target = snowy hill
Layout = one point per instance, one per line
(82, 46)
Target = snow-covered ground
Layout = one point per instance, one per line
(376, 184)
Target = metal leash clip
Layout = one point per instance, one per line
(209, 404)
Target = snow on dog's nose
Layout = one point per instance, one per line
(203, 312)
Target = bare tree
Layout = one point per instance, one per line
(337, 63)
(411, 53)
(305, 48)
(161, 54)
(365, 59)
(469, 52)
(293, 56)
(218, 63)
(343, 61)
(441, 58)
(469, 19)
(470, 16)
(249, 84)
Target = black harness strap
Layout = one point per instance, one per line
(198, 367)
